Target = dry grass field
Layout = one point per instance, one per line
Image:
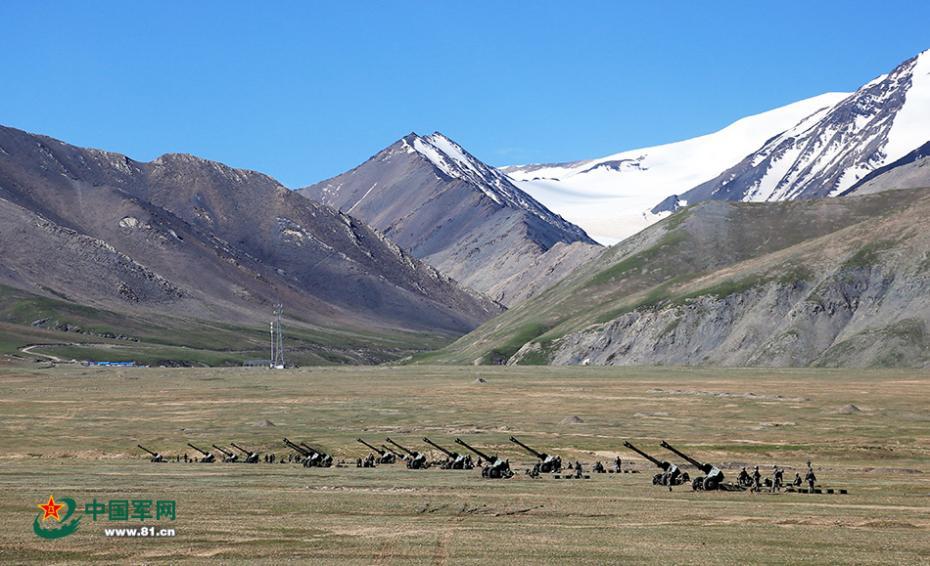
(71, 432)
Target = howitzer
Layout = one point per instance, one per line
(301, 451)
(547, 464)
(416, 460)
(228, 455)
(156, 457)
(250, 457)
(208, 457)
(317, 458)
(496, 468)
(384, 456)
(670, 475)
(713, 476)
(395, 454)
(454, 461)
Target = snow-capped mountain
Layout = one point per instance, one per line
(463, 217)
(611, 197)
(830, 152)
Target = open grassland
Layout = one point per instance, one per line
(72, 432)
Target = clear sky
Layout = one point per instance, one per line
(306, 90)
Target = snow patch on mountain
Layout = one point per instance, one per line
(832, 151)
(611, 197)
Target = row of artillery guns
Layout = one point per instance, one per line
(309, 456)
(207, 457)
(672, 475)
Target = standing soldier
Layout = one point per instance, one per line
(777, 478)
(756, 479)
(617, 464)
(810, 477)
(743, 480)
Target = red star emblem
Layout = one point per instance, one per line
(51, 509)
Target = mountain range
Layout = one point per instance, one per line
(793, 237)
(187, 238)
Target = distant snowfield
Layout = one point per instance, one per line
(610, 197)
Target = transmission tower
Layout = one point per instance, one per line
(277, 338)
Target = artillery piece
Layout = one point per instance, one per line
(303, 453)
(713, 477)
(547, 463)
(250, 457)
(395, 454)
(156, 457)
(385, 456)
(415, 460)
(228, 455)
(208, 457)
(454, 460)
(318, 458)
(670, 475)
(496, 468)
(309, 456)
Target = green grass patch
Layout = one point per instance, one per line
(523, 335)
(868, 255)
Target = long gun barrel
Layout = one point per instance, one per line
(378, 450)
(386, 449)
(147, 450)
(225, 452)
(299, 449)
(539, 455)
(204, 452)
(475, 450)
(312, 449)
(448, 453)
(655, 461)
(401, 447)
(691, 460)
(241, 449)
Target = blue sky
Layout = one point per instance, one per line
(306, 90)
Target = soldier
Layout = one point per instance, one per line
(777, 478)
(598, 467)
(756, 479)
(743, 480)
(185, 457)
(578, 471)
(797, 479)
(617, 464)
(810, 477)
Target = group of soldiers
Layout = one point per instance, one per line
(755, 482)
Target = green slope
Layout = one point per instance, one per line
(714, 248)
(68, 330)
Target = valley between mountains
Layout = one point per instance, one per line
(795, 237)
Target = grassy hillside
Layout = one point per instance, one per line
(62, 329)
(714, 249)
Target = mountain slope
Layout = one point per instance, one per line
(828, 282)
(827, 154)
(610, 197)
(464, 218)
(185, 237)
(910, 172)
